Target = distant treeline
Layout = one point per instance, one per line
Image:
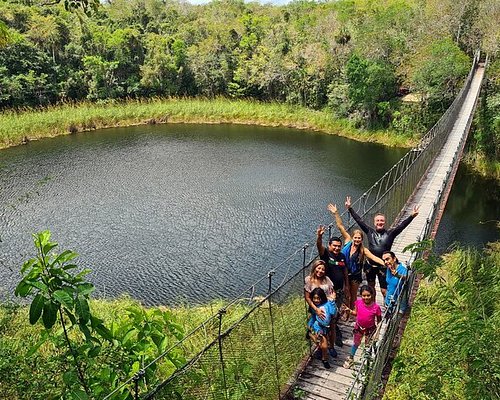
(355, 57)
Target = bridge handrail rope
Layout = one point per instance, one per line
(388, 194)
(375, 356)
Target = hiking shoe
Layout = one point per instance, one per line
(349, 362)
(332, 352)
(326, 364)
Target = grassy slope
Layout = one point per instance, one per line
(451, 346)
(65, 119)
(251, 373)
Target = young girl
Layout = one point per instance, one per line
(319, 326)
(368, 314)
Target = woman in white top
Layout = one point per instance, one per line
(318, 278)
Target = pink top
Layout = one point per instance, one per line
(367, 314)
(327, 286)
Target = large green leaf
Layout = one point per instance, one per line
(78, 394)
(49, 246)
(85, 288)
(23, 289)
(64, 298)
(104, 332)
(36, 308)
(82, 309)
(49, 315)
(28, 264)
(40, 286)
(65, 256)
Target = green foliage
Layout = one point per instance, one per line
(68, 118)
(4, 34)
(440, 76)
(371, 85)
(451, 349)
(350, 55)
(103, 357)
(487, 134)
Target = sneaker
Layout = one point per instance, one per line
(332, 352)
(348, 362)
(326, 364)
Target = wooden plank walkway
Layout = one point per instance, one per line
(435, 180)
(315, 381)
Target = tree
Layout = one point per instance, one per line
(438, 73)
(102, 82)
(371, 84)
(4, 34)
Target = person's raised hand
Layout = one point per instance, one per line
(415, 210)
(348, 202)
(332, 208)
(321, 229)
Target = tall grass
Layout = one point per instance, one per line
(451, 346)
(248, 352)
(20, 126)
(480, 164)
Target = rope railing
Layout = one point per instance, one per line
(272, 325)
(391, 192)
(368, 378)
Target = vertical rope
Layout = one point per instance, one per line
(306, 306)
(276, 369)
(222, 311)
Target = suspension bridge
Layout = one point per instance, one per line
(254, 347)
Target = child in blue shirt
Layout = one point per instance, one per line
(318, 326)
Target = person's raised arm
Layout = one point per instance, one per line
(399, 228)
(333, 209)
(319, 240)
(373, 257)
(365, 228)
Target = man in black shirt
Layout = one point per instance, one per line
(379, 240)
(336, 270)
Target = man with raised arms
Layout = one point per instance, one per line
(379, 240)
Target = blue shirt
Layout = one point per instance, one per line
(393, 287)
(353, 265)
(319, 325)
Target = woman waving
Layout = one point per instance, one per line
(355, 253)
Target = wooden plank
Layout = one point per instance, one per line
(318, 390)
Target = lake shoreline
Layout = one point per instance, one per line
(18, 128)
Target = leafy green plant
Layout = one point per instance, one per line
(59, 295)
(103, 357)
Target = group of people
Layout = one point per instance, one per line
(332, 287)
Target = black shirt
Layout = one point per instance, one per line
(380, 241)
(335, 267)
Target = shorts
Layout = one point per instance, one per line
(355, 278)
(360, 332)
(377, 271)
